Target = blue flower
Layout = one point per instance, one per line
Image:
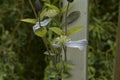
(80, 44)
(42, 23)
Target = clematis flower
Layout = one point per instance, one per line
(63, 40)
(80, 44)
(60, 41)
(42, 23)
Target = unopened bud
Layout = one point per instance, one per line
(70, 0)
(38, 6)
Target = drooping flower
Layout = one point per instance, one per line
(80, 44)
(42, 23)
(63, 40)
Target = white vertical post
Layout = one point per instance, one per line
(77, 57)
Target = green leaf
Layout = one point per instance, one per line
(28, 20)
(74, 30)
(42, 14)
(59, 65)
(41, 32)
(73, 16)
(68, 67)
(56, 30)
(51, 13)
(65, 75)
(52, 7)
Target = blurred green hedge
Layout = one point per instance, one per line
(102, 34)
(21, 52)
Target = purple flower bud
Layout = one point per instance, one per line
(70, 0)
(38, 6)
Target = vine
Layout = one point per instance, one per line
(49, 26)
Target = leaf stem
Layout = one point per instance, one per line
(66, 18)
(65, 53)
(64, 47)
(33, 9)
(44, 40)
(56, 22)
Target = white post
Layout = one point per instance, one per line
(77, 57)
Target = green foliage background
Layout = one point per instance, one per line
(102, 34)
(21, 52)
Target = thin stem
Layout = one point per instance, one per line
(39, 19)
(60, 14)
(56, 22)
(65, 53)
(60, 3)
(52, 48)
(37, 15)
(44, 40)
(33, 9)
(64, 47)
(66, 18)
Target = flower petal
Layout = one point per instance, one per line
(43, 23)
(36, 26)
(77, 44)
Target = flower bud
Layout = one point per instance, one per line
(70, 0)
(38, 6)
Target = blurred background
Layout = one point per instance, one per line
(21, 52)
